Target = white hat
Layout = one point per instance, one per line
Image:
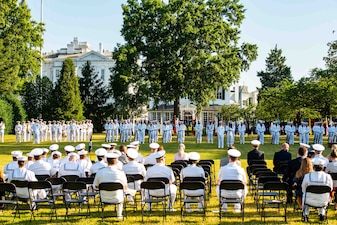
(131, 146)
(234, 153)
(100, 152)
(106, 146)
(111, 155)
(255, 142)
(159, 154)
(54, 147)
(16, 153)
(29, 154)
(318, 147)
(154, 145)
(116, 152)
(135, 143)
(318, 161)
(56, 153)
(69, 148)
(82, 152)
(22, 158)
(73, 154)
(194, 156)
(37, 151)
(132, 153)
(80, 146)
(45, 150)
(113, 144)
(304, 145)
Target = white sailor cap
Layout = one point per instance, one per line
(113, 144)
(159, 154)
(131, 146)
(100, 152)
(154, 145)
(255, 142)
(318, 147)
(234, 153)
(16, 153)
(194, 156)
(69, 148)
(54, 147)
(106, 146)
(45, 150)
(135, 143)
(22, 158)
(132, 153)
(318, 161)
(80, 146)
(116, 152)
(37, 151)
(304, 145)
(56, 153)
(82, 152)
(111, 155)
(29, 154)
(74, 155)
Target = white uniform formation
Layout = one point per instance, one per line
(56, 131)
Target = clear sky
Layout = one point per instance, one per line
(301, 28)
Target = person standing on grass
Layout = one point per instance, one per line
(221, 135)
(2, 131)
(242, 132)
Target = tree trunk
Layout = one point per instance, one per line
(176, 108)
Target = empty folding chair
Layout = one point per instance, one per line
(10, 198)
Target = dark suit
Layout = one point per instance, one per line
(289, 175)
(281, 156)
(254, 154)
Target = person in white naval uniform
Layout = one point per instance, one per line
(209, 131)
(68, 149)
(317, 177)
(198, 132)
(2, 131)
(23, 174)
(150, 160)
(41, 167)
(318, 148)
(72, 167)
(232, 172)
(192, 170)
(112, 174)
(100, 163)
(84, 161)
(160, 170)
(242, 132)
(9, 167)
(230, 129)
(221, 135)
(260, 129)
(134, 168)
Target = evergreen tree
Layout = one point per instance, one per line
(94, 95)
(67, 99)
(276, 70)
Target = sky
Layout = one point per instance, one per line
(300, 28)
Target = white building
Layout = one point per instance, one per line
(80, 52)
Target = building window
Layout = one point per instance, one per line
(244, 102)
(220, 94)
(167, 116)
(103, 75)
(205, 117)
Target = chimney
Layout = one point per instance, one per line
(100, 48)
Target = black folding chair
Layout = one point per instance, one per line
(10, 198)
(22, 186)
(154, 185)
(232, 185)
(36, 202)
(57, 183)
(188, 196)
(272, 200)
(110, 187)
(317, 189)
(70, 177)
(91, 192)
(42, 177)
(75, 193)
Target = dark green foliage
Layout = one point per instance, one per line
(6, 113)
(20, 42)
(18, 111)
(94, 95)
(67, 102)
(37, 97)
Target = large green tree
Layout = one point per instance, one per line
(94, 95)
(37, 97)
(67, 99)
(180, 48)
(276, 70)
(20, 43)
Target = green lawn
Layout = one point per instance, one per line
(207, 151)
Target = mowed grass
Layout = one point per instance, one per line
(207, 151)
